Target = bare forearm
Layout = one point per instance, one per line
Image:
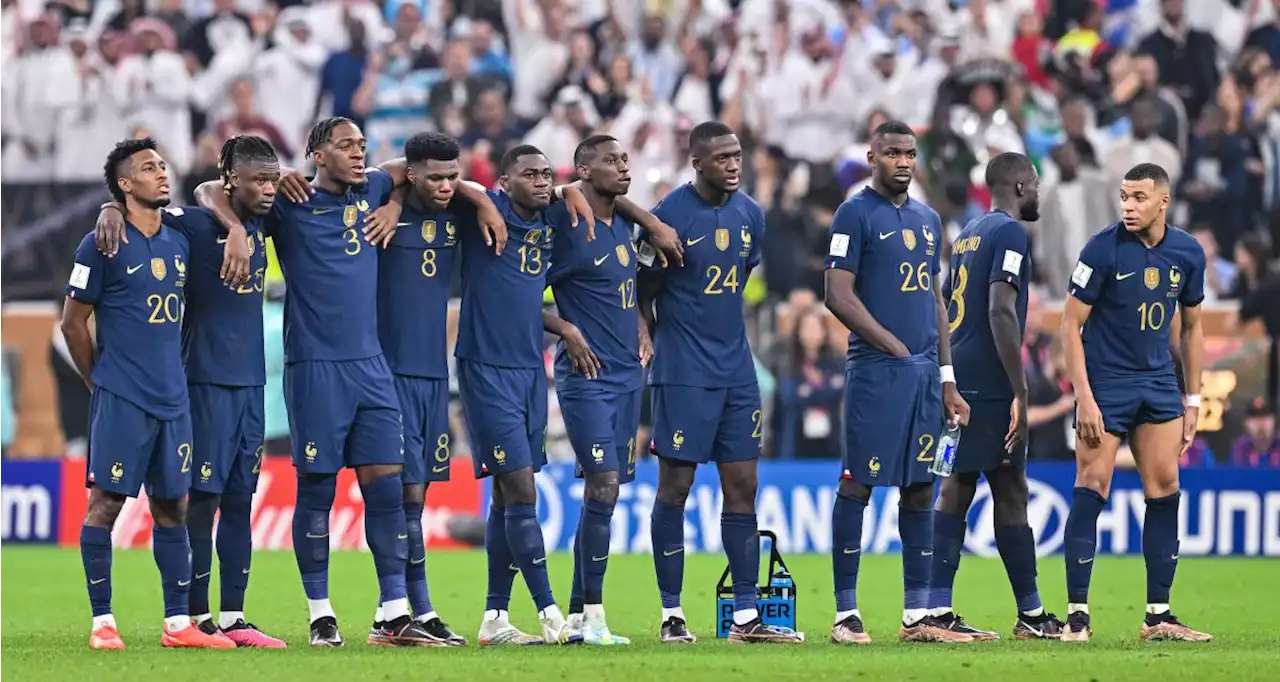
(80, 347)
(1040, 415)
(1076, 371)
(944, 330)
(554, 324)
(1008, 340)
(398, 169)
(211, 196)
(853, 314)
(473, 193)
(631, 211)
(1192, 356)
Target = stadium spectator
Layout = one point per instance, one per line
(1078, 203)
(810, 387)
(1259, 445)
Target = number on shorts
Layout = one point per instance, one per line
(184, 451)
(757, 423)
(257, 460)
(926, 448)
(442, 448)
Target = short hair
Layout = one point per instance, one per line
(1008, 168)
(321, 131)
(1148, 171)
(513, 155)
(892, 127)
(431, 146)
(586, 148)
(117, 158)
(243, 149)
(707, 131)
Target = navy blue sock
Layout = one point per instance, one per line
(1081, 542)
(1017, 547)
(311, 533)
(384, 528)
(948, 540)
(597, 519)
(502, 567)
(1160, 546)
(741, 541)
(415, 572)
(201, 509)
(95, 553)
(666, 532)
(524, 536)
(173, 558)
(915, 527)
(576, 598)
(846, 549)
(235, 549)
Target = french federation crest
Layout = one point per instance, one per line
(158, 268)
(722, 239)
(363, 205)
(349, 216)
(1151, 277)
(252, 245)
(533, 236)
(428, 231)
(624, 254)
(449, 230)
(1175, 277)
(909, 238)
(746, 237)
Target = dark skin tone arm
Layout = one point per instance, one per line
(957, 408)
(1002, 313)
(584, 359)
(843, 302)
(75, 328)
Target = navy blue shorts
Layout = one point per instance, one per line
(892, 418)
(424, 404)
(700, 425)
(228, 427)
(128, 447)
(982, 441)
(506, 410)
(1131, 401)
(342, 414)
(602, 426)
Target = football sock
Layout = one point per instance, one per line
(502, 568)
(738, 532)
(1160, 546)
(846, 550)
(916, 530)
(666, 532)
(311, 536)
(597, 519)
(415, 572)
(948, 539)
(1081, 542)
(235, 550)
(173, 557)
(201, 508)
(524, 536)
(1017, 547)
(576, 600)
(95, 553)
(384, 528)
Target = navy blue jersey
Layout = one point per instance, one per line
(221, 328)
(992, 248)
(1134, 290)
(414, 273)
(501, 319)
(894, 254)
(701, 335)
(594, 283)
(330, 272)
(137, 306)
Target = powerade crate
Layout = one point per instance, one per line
(776, 599)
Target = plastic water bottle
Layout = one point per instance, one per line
(782, 584)
(944, 457)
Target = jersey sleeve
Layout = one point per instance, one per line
(756, 215)
(1193, 292)
(379, 186)
(848, 238)
(1092, 269)
(88, 273)
(1009, 255)
(177, 218)
(563, 260)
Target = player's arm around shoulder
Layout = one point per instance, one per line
(489, 214)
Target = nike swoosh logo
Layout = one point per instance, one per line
(321, 211)
(403, 224)
(1124, 276)
(133, 269)
(600, 558)
(1035, 630)
(1173, 558)
(540, 560)
(183, 583)
(852, 551)
(691, 242)
(423, 560)
(439, 469)
(313, 536)
(222, 240)
(99, 581)
(886, 235)
(513, 567)
(244, 571)
(601, 259)
(672, 552)
(402, 536)
(1085, 561)
(926, 554)
(201, 576)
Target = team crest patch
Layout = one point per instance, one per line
(428, 231)
(722, 239)
(928, 241)
(158, 268)
(252, 246)
(349, 216)
(363, 205)
(533, 236)
(1175, 277)
(746, 236)
(597, 453)
(499, 455)
(1151, 277)
(677, 439)
(873, 467)
(624, 254)
(449, 230)
(909, 238)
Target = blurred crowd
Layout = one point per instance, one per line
(1087, 88)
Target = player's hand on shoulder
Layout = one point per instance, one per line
(667, 242)
(380, 225)
(294, 186)
(584, 359)
(493, 226)
(1089, 424)
(580, 212)
(109, 230)
(235, 258)
(955, 405)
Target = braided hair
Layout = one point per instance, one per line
(321, 132)
(242, 149)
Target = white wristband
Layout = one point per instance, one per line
(1193, 400)
(948, 374)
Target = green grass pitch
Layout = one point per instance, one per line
(45, 623)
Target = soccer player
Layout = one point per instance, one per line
(504, 392)
(1130, 280)
(990, 270)
(880, 282)
(706, 402)
(598, 364)
(139, 427)
(414, 274)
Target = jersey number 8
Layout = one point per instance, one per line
(959, 282)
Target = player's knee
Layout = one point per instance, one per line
(415, 494)
(955, 494)
(918, 497)
(1097, 479)
(602, 487)
(675, 479)
(316, 492)
(854, 490)
(1160, 484)
(201, 508)
(1009, 497)
(169, 513)
(104, 508)
(518, 487)
(369, 473)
